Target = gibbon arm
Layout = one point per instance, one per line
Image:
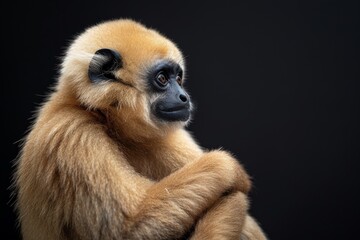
(225, 220)
(172, 205)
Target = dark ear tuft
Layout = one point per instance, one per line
(103, 65)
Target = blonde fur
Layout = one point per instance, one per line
(98, 165)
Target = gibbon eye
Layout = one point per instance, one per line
(179, 80)
(162, 79)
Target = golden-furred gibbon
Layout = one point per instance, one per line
(108, 156)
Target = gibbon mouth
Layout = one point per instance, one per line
(174, 109)
(179, 113)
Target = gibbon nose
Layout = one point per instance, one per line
(183, 98)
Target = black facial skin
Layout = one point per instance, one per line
(166, 78)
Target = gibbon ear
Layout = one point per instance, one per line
(103, 65)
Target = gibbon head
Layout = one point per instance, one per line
(132, 74)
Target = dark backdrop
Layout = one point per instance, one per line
(277, 84)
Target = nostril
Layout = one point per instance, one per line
(183, 98)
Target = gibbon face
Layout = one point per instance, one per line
(166, 78)
(129, 72)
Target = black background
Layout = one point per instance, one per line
(275, 83)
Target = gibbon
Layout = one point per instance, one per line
(108, 156)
